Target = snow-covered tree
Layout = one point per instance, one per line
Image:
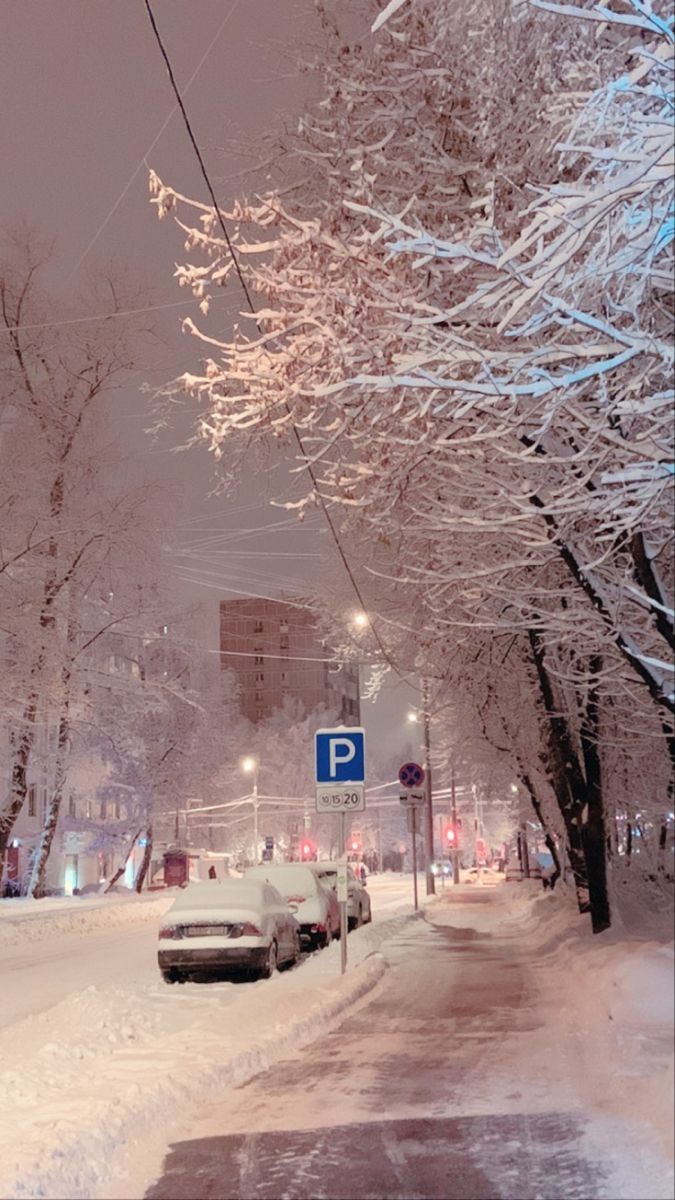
(467, 323)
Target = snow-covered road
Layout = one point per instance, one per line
(44, 972)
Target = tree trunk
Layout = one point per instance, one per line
(19, 783)
(36, 887)
(120, 870)
(145, 863)
(550, 844)
(593, 832)
(565, 773)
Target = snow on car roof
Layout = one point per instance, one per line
(216, 893)
(285, 877)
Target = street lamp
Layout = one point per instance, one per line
(249, 766)
(414, 718)
(360, 620)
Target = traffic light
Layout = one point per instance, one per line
(451, 838)
(354, 842)
(307, 850)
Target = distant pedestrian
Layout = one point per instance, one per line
(212, 872)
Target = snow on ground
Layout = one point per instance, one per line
(99, 1056)
(608, 1001)
(92, 1069)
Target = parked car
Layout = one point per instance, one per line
(359, 911)
(314, 904)
(216, 928)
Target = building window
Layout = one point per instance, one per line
(117, 810)
(89, 810)
(71, 806)
(283, 627)
(283, 676)
(104, 810)
(258, 627)
(259, 678)
(258, 659)
(258, 697)
(31, 800)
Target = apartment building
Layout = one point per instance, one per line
(274, 651)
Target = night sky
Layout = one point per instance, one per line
(86, 100)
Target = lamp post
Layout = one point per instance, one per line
(428, 804)
(249, 766)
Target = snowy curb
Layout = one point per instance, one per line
(129, 1099)
(34, 922)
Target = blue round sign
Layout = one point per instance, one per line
(411, 775)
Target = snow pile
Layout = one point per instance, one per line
(27, 920)
(93, 1076)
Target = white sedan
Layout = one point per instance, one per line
(217, 927)
(359, 910)
(313, 903)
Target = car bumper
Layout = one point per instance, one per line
(196, 958)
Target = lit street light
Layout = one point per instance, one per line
(249, 766)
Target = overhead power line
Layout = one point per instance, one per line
(244, 287)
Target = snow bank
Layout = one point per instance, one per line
(26, 920)
(147, 1053)
(614, 995)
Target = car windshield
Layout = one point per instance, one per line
(289, 880)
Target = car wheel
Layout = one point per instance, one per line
(271, 963)
(169, 977)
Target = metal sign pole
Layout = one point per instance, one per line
(343, 903)
(414, 854)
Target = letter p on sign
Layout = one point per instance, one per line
(340, 750)
(340, 755)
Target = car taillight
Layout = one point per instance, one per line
(319, 929)
(246, 929)
(170, 931)
(296, 899)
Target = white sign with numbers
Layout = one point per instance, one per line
(334, 797)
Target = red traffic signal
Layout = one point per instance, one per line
(451, 835)
(354, 845)
(307, 850)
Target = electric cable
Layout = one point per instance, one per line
(244, 287)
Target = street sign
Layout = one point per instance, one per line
(337, 798)
(412, 799)
(269, 842)
(340, 755)
(411, 775)
(267, 854)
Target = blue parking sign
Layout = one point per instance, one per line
(340, 755)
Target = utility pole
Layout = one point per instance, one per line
(455, 852)
(255, 817)
(428, 808)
